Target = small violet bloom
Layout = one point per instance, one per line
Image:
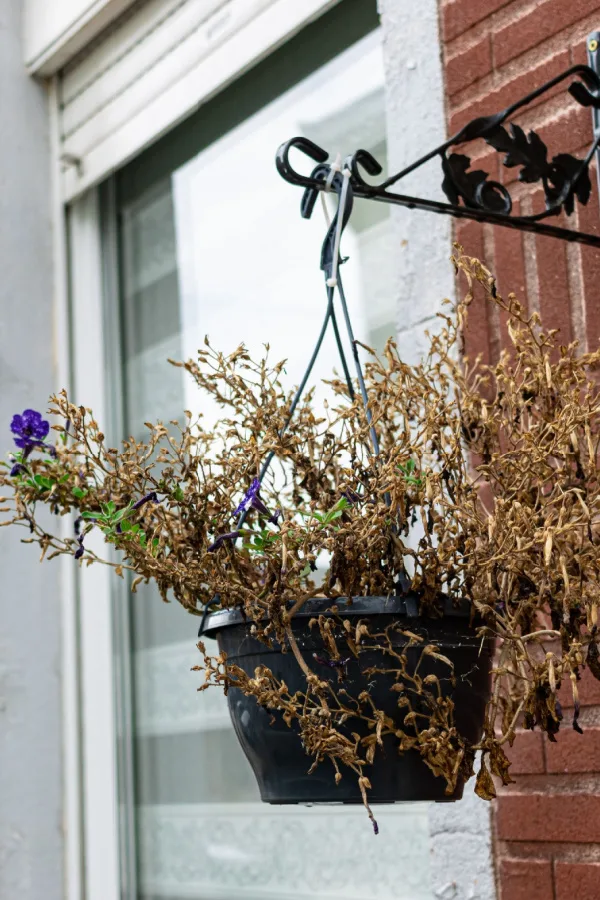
(251, 500)
(221, 538)
(151, 497)
(17, 469)
(81, 549)
(30, 430)
(29, 427)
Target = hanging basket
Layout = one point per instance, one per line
(274, 749)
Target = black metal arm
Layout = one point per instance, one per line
(472, 194)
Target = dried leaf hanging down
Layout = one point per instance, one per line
(485, 490)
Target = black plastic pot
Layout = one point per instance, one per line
(275, 751)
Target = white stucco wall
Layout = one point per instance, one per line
(416, 120)
(461, 848)
(30, 714)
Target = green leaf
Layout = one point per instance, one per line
(89, 515)
(178, 493)
(44, 483)
(123, 513)
(78, 492)
(336, 511)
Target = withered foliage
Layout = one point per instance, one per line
(485, 489)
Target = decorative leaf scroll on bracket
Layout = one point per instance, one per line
(563, 178)
(472, 187)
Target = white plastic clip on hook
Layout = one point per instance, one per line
(332, 282)
(336, 166)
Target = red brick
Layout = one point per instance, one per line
(588, 220)
(513, 90)
(570, 818)
(537, 25)
(470, 235)
(553, 280)
(526, 879)
(527, 754)
(579, 54)
(574, 752)
(460, 15)
(509, 264)
(589, 691)
(567, 132)
(577, 880)
(469, 65)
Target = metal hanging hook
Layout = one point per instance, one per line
(284, 166)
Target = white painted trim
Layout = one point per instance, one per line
(71, 756)
(96, 662)
(45, 55)
(100, 58)
(246, 47)
(161, 55)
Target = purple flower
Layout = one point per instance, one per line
(351, 496)
(251, 500)
(375, 826)
(29, 428)
(17, 469)
(221, 538)
(149, 497)
(81, 549)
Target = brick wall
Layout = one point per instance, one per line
(547, 825)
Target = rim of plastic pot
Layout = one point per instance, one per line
(400, 605)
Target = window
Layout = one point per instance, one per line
(210, 241)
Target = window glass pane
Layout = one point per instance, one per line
(219, 248)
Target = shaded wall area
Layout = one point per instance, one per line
(30, 712)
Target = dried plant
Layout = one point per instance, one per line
(485, 489)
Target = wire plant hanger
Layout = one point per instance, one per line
(338, 181)
(470, 193)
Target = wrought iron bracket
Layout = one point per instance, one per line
(471, 194)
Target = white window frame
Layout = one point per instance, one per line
(91, 810)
